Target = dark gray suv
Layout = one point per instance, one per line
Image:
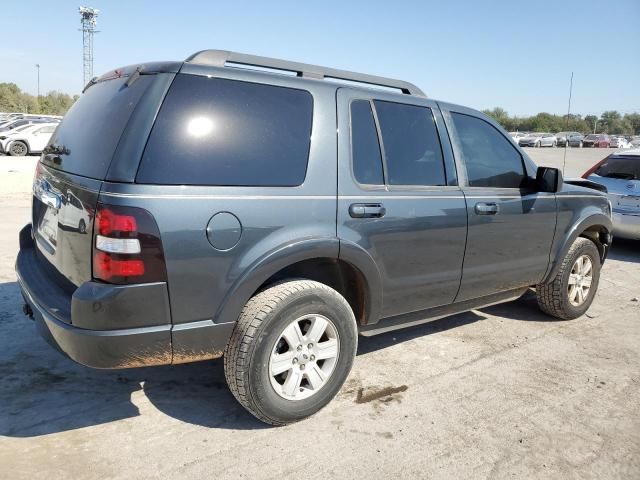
(188, 210)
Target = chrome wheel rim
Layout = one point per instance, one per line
(18, 149)
(580, 280)
(304, 357)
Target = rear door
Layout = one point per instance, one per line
(511, 227)
(398, 198)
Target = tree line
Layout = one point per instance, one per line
(12, 99)
(610, 122)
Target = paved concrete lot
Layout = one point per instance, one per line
(498, 393)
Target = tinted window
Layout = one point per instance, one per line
(627, 168)
(490, 159)
(367, 161)
(411, 144)
(213, 131)
(92, 127)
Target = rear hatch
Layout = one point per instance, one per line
(75, 164)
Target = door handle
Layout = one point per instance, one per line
(367, 210)
(486, 208)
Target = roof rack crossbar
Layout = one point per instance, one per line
(219, 58)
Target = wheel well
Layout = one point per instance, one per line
(599, 235)
(337, 274)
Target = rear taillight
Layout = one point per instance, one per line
(594, 168)
(126, 246)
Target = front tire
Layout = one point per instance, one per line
(570, 293)
(18, 149)
(291, 351)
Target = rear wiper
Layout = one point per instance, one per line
(54, 149)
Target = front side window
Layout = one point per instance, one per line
(489, 158)
(411, 144)
(214, 131)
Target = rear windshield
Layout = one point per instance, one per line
(214, 131)
(620, 167)
(88, 136)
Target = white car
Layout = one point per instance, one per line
(27, 139)
(516, 136)
(619, 142)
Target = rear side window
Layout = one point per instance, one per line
(214, 131)
(489, 158)
(411, 145)
(367, 161)
(91, 129)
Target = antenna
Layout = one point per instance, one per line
(566, 143)
(88, 21)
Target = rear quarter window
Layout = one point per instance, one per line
(214, 131)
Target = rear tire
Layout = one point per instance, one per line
(18, 149)
(566, 296)
(261, 345)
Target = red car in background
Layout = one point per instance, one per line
(597, 141)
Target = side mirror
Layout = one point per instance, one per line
(549, 179)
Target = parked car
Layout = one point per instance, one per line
(596, 141)
(10, 125)
(31, 138)
(575, 140)
(619, 142)
(620, 174)
(562, 138)
(635, 142)
(231, 219)
(516, 136)
(548, 140)
(530, 140)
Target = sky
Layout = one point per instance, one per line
(482, 54)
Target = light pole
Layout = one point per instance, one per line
(38, 68)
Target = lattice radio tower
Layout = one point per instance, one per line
(88, 21)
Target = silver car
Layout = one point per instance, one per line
(620, 173)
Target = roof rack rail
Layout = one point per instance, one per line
(219, 58)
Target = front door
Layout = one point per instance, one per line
(398, 198)
(511, 227)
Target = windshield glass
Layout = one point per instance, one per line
(620, 167)
(591, 137)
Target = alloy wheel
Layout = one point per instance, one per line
(304, 357)
(580, 280)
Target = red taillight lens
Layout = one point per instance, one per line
(117, 230)
(106, 267)
(109, 222)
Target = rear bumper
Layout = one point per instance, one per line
(626, 226)
(62, 319)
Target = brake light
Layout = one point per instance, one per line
(126, 246)
(106, 267)
(594, 168)
(109, 222)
